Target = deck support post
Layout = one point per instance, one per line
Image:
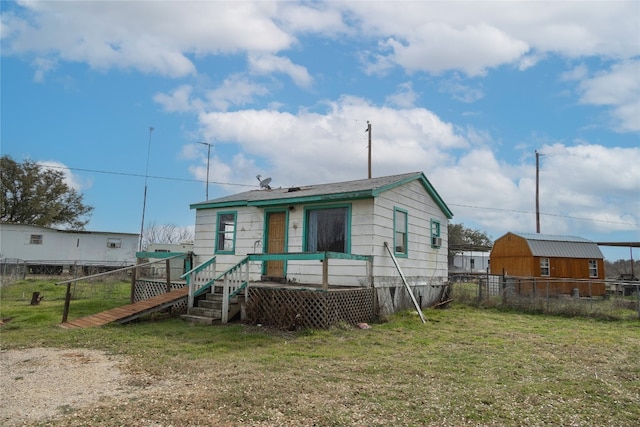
(325, 273)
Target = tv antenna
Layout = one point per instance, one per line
(264, 183)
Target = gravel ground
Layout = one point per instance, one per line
(39, 384)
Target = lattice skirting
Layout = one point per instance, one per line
(146, 289)
(294, 308)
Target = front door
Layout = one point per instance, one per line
(276, 234)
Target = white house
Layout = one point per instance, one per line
(177, 266)
(470, 262)
(51, 250)
(353, 218)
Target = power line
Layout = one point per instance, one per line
(137, 175)
(542, 213)
(254, 186)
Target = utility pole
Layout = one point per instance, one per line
(369, 131)
(144, 200)
(208, 157)
(537, 192)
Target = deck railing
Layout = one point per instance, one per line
(315, 256)
(200, 277)
(163, 257)
(236, 279)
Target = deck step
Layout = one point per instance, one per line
(218, 297)
(215, 305)
(206, 312)
(200, 320)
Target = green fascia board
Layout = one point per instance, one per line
(307, 256)
(427, 186)
(218, 205)
(337, 197)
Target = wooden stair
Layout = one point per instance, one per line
(208, 310)
(129, 312)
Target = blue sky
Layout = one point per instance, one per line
(464, 91)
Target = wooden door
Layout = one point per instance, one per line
(276, 231)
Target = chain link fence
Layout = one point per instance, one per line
(608, 299)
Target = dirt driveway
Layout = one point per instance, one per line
(38, 384)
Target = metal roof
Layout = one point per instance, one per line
(547, 245)
(339, 191)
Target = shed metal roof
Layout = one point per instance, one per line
(547, 245)
(339, 191)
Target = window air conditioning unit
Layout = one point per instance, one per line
(436, 241)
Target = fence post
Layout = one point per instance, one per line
(547, 296)
(168, 274)
(134, 279)
(504, 288)
(67, 302)
(534, 288)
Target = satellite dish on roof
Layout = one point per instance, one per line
(264, 183)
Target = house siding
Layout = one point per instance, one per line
(371, 225)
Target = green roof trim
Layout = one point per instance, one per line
(323, 193)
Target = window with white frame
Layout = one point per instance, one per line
(35, 239)
(400, 235)
(544, 267)
(327, 229)
(226, 233)
(593, 268)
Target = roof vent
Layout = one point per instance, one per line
(293, 189)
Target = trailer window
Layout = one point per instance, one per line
(114, 243)
(35, 239)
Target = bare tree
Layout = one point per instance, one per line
(168, 234)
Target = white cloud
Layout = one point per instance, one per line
(236, 90)
(618, 87)
(477, 47)
(153, 37)
(72, 180)
(584, 188)
(179, 100)
(461, 91)
(268, 64)
(413, 138)
(437, 36)
(404, 97)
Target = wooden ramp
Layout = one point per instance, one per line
(129, 312)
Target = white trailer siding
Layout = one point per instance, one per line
(59, 247)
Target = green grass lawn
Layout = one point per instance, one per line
(465, 366)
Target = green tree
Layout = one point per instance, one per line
(463, 237)
(35, 195)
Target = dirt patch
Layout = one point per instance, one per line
(41, 383)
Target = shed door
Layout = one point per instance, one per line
(276, 227)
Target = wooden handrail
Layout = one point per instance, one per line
(199, 267)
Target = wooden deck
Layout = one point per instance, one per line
(129, 312)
